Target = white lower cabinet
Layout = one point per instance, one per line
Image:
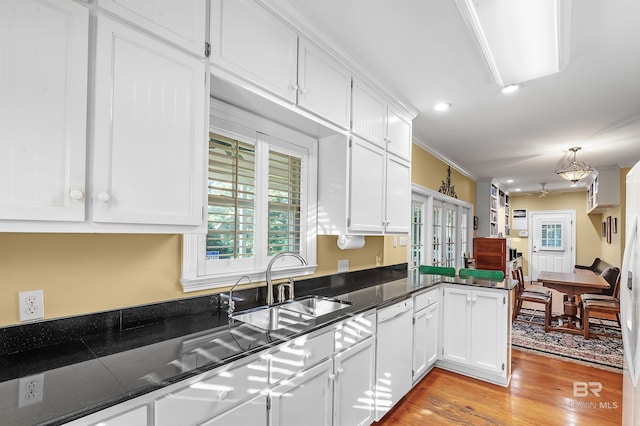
(211, 396)
(252, 412)
(306, 398)
(425, 332)
(353, 402)
(475, 333)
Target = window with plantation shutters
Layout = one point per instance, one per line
(231, 198)
(284, 203)
(261, 201)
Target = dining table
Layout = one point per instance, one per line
(573, 284)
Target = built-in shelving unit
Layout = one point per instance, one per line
(492, 209)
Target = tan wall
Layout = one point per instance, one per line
(429, 171)
(590, 243)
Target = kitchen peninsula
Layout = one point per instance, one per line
(133, 372)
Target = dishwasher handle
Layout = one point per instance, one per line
(390, 312)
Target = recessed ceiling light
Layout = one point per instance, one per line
(509, 180)
(510, 88)
(517, 190)
(442, 106)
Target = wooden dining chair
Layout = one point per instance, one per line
(533, 295)
(599, 304)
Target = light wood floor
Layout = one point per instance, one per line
(541, 393)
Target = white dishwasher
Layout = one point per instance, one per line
(394, 348)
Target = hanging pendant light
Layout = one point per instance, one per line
(574, 170)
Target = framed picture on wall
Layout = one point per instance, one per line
(609, 229)
(604, 229)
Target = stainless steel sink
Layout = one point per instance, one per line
(293, 315)
(274, 318)
(315, 306)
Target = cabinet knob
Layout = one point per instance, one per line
(76, 194)
(308, 355)
(103, 196)
(293, 87)
(222, 395)
(302, 91)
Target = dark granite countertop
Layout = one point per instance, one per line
(96, 371)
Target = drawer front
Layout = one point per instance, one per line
(208, 397)
(425, 299)
(299, 354)
(354, 330)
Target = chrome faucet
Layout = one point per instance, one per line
(302, 260)
(232, 304)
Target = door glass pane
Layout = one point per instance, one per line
(417, 226)
(464, 235)
(551, 236)
(437, 235)
(450, 238)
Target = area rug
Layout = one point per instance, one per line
(599, 351)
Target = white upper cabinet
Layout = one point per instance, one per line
(398, 133)
(43, 109)
(149, 130)
(366, 183)
(379, 121)
(255, 45)
(324, 84)
(368, 113)
(362, 190)
(182, 22)
(398, 196)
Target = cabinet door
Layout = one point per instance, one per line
(354, 385)
(252, 412)
(149, 131)
(254, 44)
(212, 395)
(43, 108)
(324, 85)
(456, 322)
(368, 114)
(306, 399)
(366, 187)
(398, 196)
(488, 330)
(425, 340)
(178, 21)
(398, 134)
(137, 417)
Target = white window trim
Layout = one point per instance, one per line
(228, 120)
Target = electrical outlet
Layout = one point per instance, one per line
(343, 265)
(31, 390)
(395, 241)
(31, 305)
(403, 241)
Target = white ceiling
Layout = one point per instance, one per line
(424, 52)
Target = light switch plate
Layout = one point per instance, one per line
(343, 265)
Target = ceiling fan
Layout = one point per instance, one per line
(542, 192)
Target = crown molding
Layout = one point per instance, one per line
(440, 156)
